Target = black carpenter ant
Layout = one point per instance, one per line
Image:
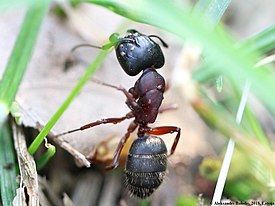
(135, 51)
(147, 158)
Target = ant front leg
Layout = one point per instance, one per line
(166, 130)
(120, 146)
(131, 96)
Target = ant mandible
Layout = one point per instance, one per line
(147, 158)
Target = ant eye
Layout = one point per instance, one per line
(114, 37)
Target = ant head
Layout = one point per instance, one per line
(137, 52)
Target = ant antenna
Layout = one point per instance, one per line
(161, 40)
(104, 47)
(84, 45)
(71, 60)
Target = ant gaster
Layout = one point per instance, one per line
(147, 158)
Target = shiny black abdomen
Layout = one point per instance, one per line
(146, 165)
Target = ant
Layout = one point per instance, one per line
(147, 158)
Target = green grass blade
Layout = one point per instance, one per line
(214, 10)
(21, 53)
(7, 165)
(91, 69)
(13, 4)
(201, 6)
(44, 158)
(262, 42)
(256, 128)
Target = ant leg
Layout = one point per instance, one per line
(127, 94)
(165, 130)
(121, 144)
(99, 122)
(131, 99)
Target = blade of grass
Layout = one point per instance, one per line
(257, 129)
(91, 69)
(229, 150)
(44, 158)
(10, 4)
(262, 42)
(201, 6)
(215, 10)
(7, 165)
(21, 53)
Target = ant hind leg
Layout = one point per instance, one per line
(166, 130)
(120, 146)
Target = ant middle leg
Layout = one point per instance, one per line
(99, 122)
(166, 130)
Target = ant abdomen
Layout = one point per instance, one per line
(146, 166)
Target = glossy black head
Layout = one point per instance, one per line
(146, 166)
(136, 52)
